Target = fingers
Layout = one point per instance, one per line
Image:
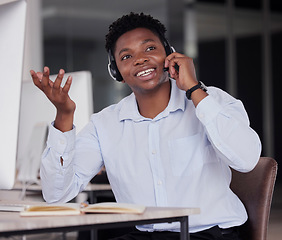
(173, 62)
(171, 58)
(51, 83)
(58, 82)
(41, 80)
(50, 88)
(45, 77)
(68, 83)
(36, 80)
(38, 77)
(185, 76)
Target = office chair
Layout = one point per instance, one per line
(255, 189)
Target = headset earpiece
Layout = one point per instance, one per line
(112, 67)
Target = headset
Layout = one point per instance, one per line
(112, 66)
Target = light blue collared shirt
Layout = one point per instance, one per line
(181, 158)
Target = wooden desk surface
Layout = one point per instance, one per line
(11, 223)
(89, 188)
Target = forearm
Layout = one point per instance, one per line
(57, 181)
(69, 163)
(64, 122)
(238, 143)
(56, 167)
(229, 132)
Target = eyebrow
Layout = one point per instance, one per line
(144, 42)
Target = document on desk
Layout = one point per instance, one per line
(76, 209)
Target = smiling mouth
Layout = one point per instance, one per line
(145, 72)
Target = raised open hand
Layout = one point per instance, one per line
(58, 95)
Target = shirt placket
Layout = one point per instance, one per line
(156, 165)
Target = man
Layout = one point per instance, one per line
(170, 143)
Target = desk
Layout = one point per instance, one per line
(12, 224)
(93, 190)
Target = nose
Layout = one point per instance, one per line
(140, 59)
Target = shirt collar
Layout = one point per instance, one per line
(129, 109)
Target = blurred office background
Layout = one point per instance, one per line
(236, 45)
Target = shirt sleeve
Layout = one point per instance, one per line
(64, 171)
(228, 129)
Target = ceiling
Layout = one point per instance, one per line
(90, 19)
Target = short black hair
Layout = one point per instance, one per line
(130, 22)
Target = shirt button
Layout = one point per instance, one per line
(201, 115)
(153, 152)
(62, 141)
(160, 182)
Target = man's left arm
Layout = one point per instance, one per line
(224, 118)
(228, 128)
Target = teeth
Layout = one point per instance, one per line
(145, 73)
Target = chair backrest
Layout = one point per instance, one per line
(255, 189)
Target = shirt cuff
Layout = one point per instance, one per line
(207, 110)
(61, 142)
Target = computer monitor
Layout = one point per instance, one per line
(36, 114)
(12, 29)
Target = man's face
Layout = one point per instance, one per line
(140, 57)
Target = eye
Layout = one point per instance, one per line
(150, 48)
(125, 57)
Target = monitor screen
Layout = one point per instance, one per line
(12, 29)
(36, 114)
